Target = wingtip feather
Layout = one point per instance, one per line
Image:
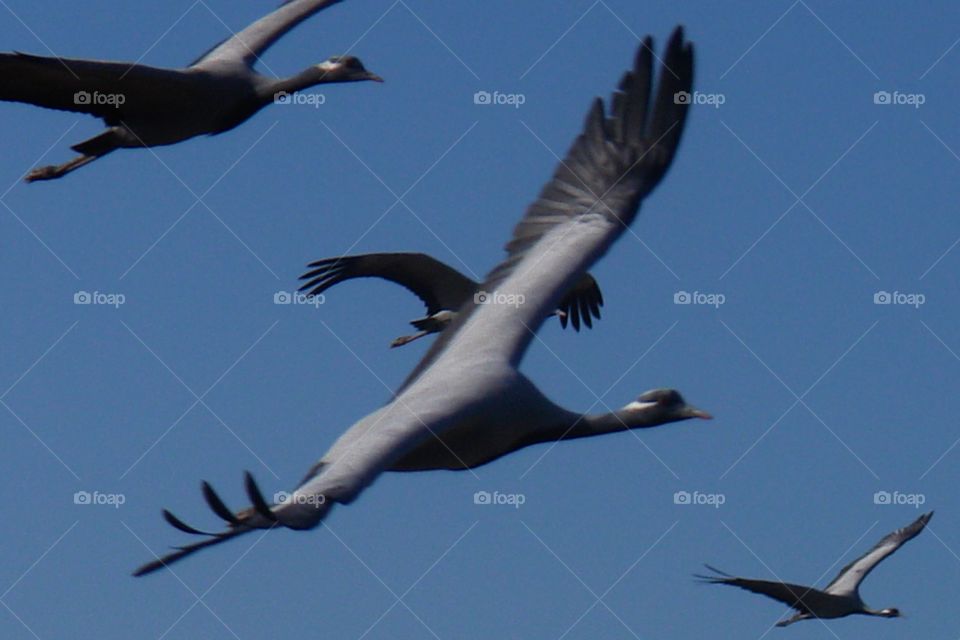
(217, 505)
(260, 504)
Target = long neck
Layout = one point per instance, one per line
(309, 77)
(569, 425)
(619, 420)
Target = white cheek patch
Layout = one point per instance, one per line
(636, 405)
(326, 65)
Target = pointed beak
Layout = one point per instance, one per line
(374, 77)
(693, 412)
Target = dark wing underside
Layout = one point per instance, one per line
(438, 285)
(613, 164)
(793, 595)
(103, 89)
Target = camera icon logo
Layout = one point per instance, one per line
(281, 497)
(882, 97)
(81, 97)
(482, 97)
(482, 497)
(481, 297)
(882, 297)
(682, 297)
(681, 497)
(82, 497)
(282, 297)
(681, 97)
(281, 97)
(881, 497)
(82, 297)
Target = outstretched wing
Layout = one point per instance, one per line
(583, 301)
(848, 580)
(251, 42)
(359, 455)
(440, 286)
(793, 595)
(103, 89)
(592, 198)
(617, 161)
(298, 511)
(437, 284)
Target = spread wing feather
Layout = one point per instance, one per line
(438, 285)
(593, 196)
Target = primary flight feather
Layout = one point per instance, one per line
(466, 403)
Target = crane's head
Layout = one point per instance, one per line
(345, 69)
(658, 406)
(890, 612)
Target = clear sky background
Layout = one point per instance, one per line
(797, 199)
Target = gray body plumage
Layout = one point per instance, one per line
(466, 403)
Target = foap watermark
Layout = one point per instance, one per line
(699, 297)
(699, 498)
(87, 98)
(99, 297)
(114, 500)
(295, 297)
(497, 498)
(497, 98)
(497, 297)
(284, 497)
(899, 298)
(897, 498)
(713, 99)
(315, 100)
(898, 98)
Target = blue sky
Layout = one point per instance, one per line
(797, 200)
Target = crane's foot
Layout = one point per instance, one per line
(53, 172)
(43, 173)
(402, 340)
